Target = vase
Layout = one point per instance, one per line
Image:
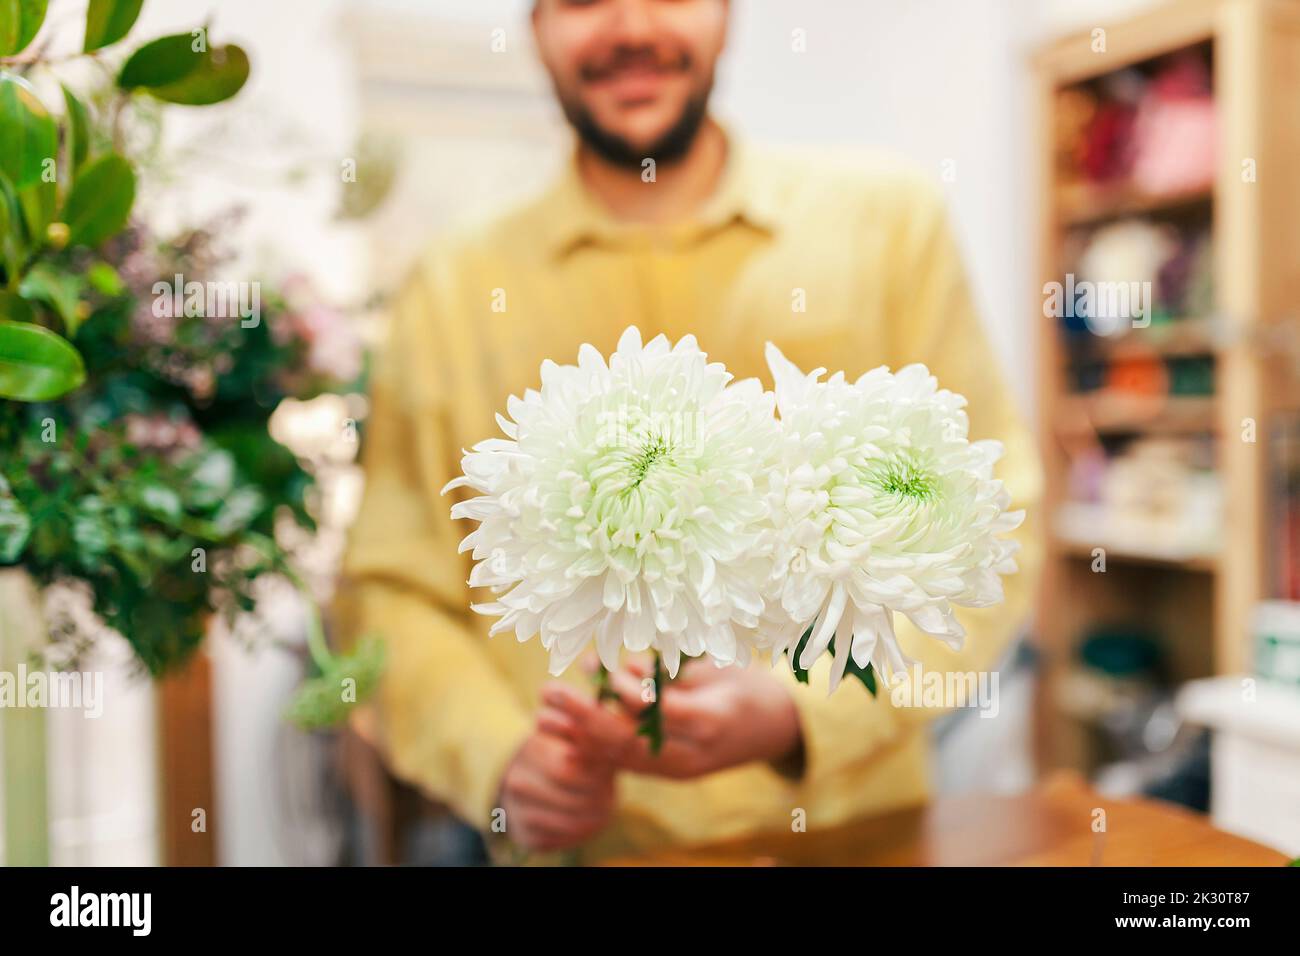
(22, 728)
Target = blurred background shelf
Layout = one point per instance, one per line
(1178, 338)
(1118, 413)
(1175, 559)
(1160, 431)
(1090, 205)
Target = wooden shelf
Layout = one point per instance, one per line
(1178, 338)
(1107, 413)
(1173, 560)
(1090, 205)
(1199, 604)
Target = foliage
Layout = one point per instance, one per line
(867, 675)
(133, 415)
(158, 482)
(62, 188)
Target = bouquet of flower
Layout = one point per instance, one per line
(137, 385)
(651, 503)
(157, 486)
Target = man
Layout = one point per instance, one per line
(665, 222)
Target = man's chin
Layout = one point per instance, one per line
(639, 141)
(666, 143)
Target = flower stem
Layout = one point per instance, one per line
(651, 724)
(320, 652)
(604, 690)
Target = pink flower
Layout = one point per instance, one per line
(333, 347)
(160, 433)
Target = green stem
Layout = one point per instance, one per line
(651, 723)
(604, 690)
(320, 652)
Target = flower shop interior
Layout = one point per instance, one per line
(1107, 147)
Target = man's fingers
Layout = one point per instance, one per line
(568, 699)
(682, 708)
(678, 703)
(696, 672)
(568, 764)
(532, 786)
(557, 723)
(609, 731)
(677, 759)
(540, 795)
(543, 829)
(692, 672)
(634, 692)
(564, 726)
(571, 787)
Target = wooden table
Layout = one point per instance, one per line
(1056, 824)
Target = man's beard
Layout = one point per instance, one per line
(617, 151)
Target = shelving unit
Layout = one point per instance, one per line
(1198, 601)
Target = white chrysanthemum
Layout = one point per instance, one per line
(626, 504)
(884, 506)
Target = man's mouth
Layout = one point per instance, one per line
(634, 81)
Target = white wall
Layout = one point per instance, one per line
(298, 114)
(933, 80)
(941, 82)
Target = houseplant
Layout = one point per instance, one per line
(136, 385)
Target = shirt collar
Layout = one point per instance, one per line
(574, 217)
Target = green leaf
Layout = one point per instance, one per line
(10, 25)
(33, 15)
(38, 202)
(865, 674)
(107, 21)
(35, 364)
(101, 200)
(212, 478)
(800, 673)
(15, 525)
(222, 74)
(237, 511)
(20, 21)
(28, 135)
(60, 290)
(348, 680)
(90, 531)
(161, 501)
(183, 69)
(78, 130)
(160, 62)
(104, 279)
(15, 308)
(11, 245)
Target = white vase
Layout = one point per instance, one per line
(23, 783)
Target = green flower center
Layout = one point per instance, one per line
(903, 476)
(655, 449)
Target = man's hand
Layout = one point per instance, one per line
(554, 795)
(713, 718)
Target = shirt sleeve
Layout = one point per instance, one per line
(448, 720)
(932, 320)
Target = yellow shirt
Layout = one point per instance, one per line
(845, 267)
